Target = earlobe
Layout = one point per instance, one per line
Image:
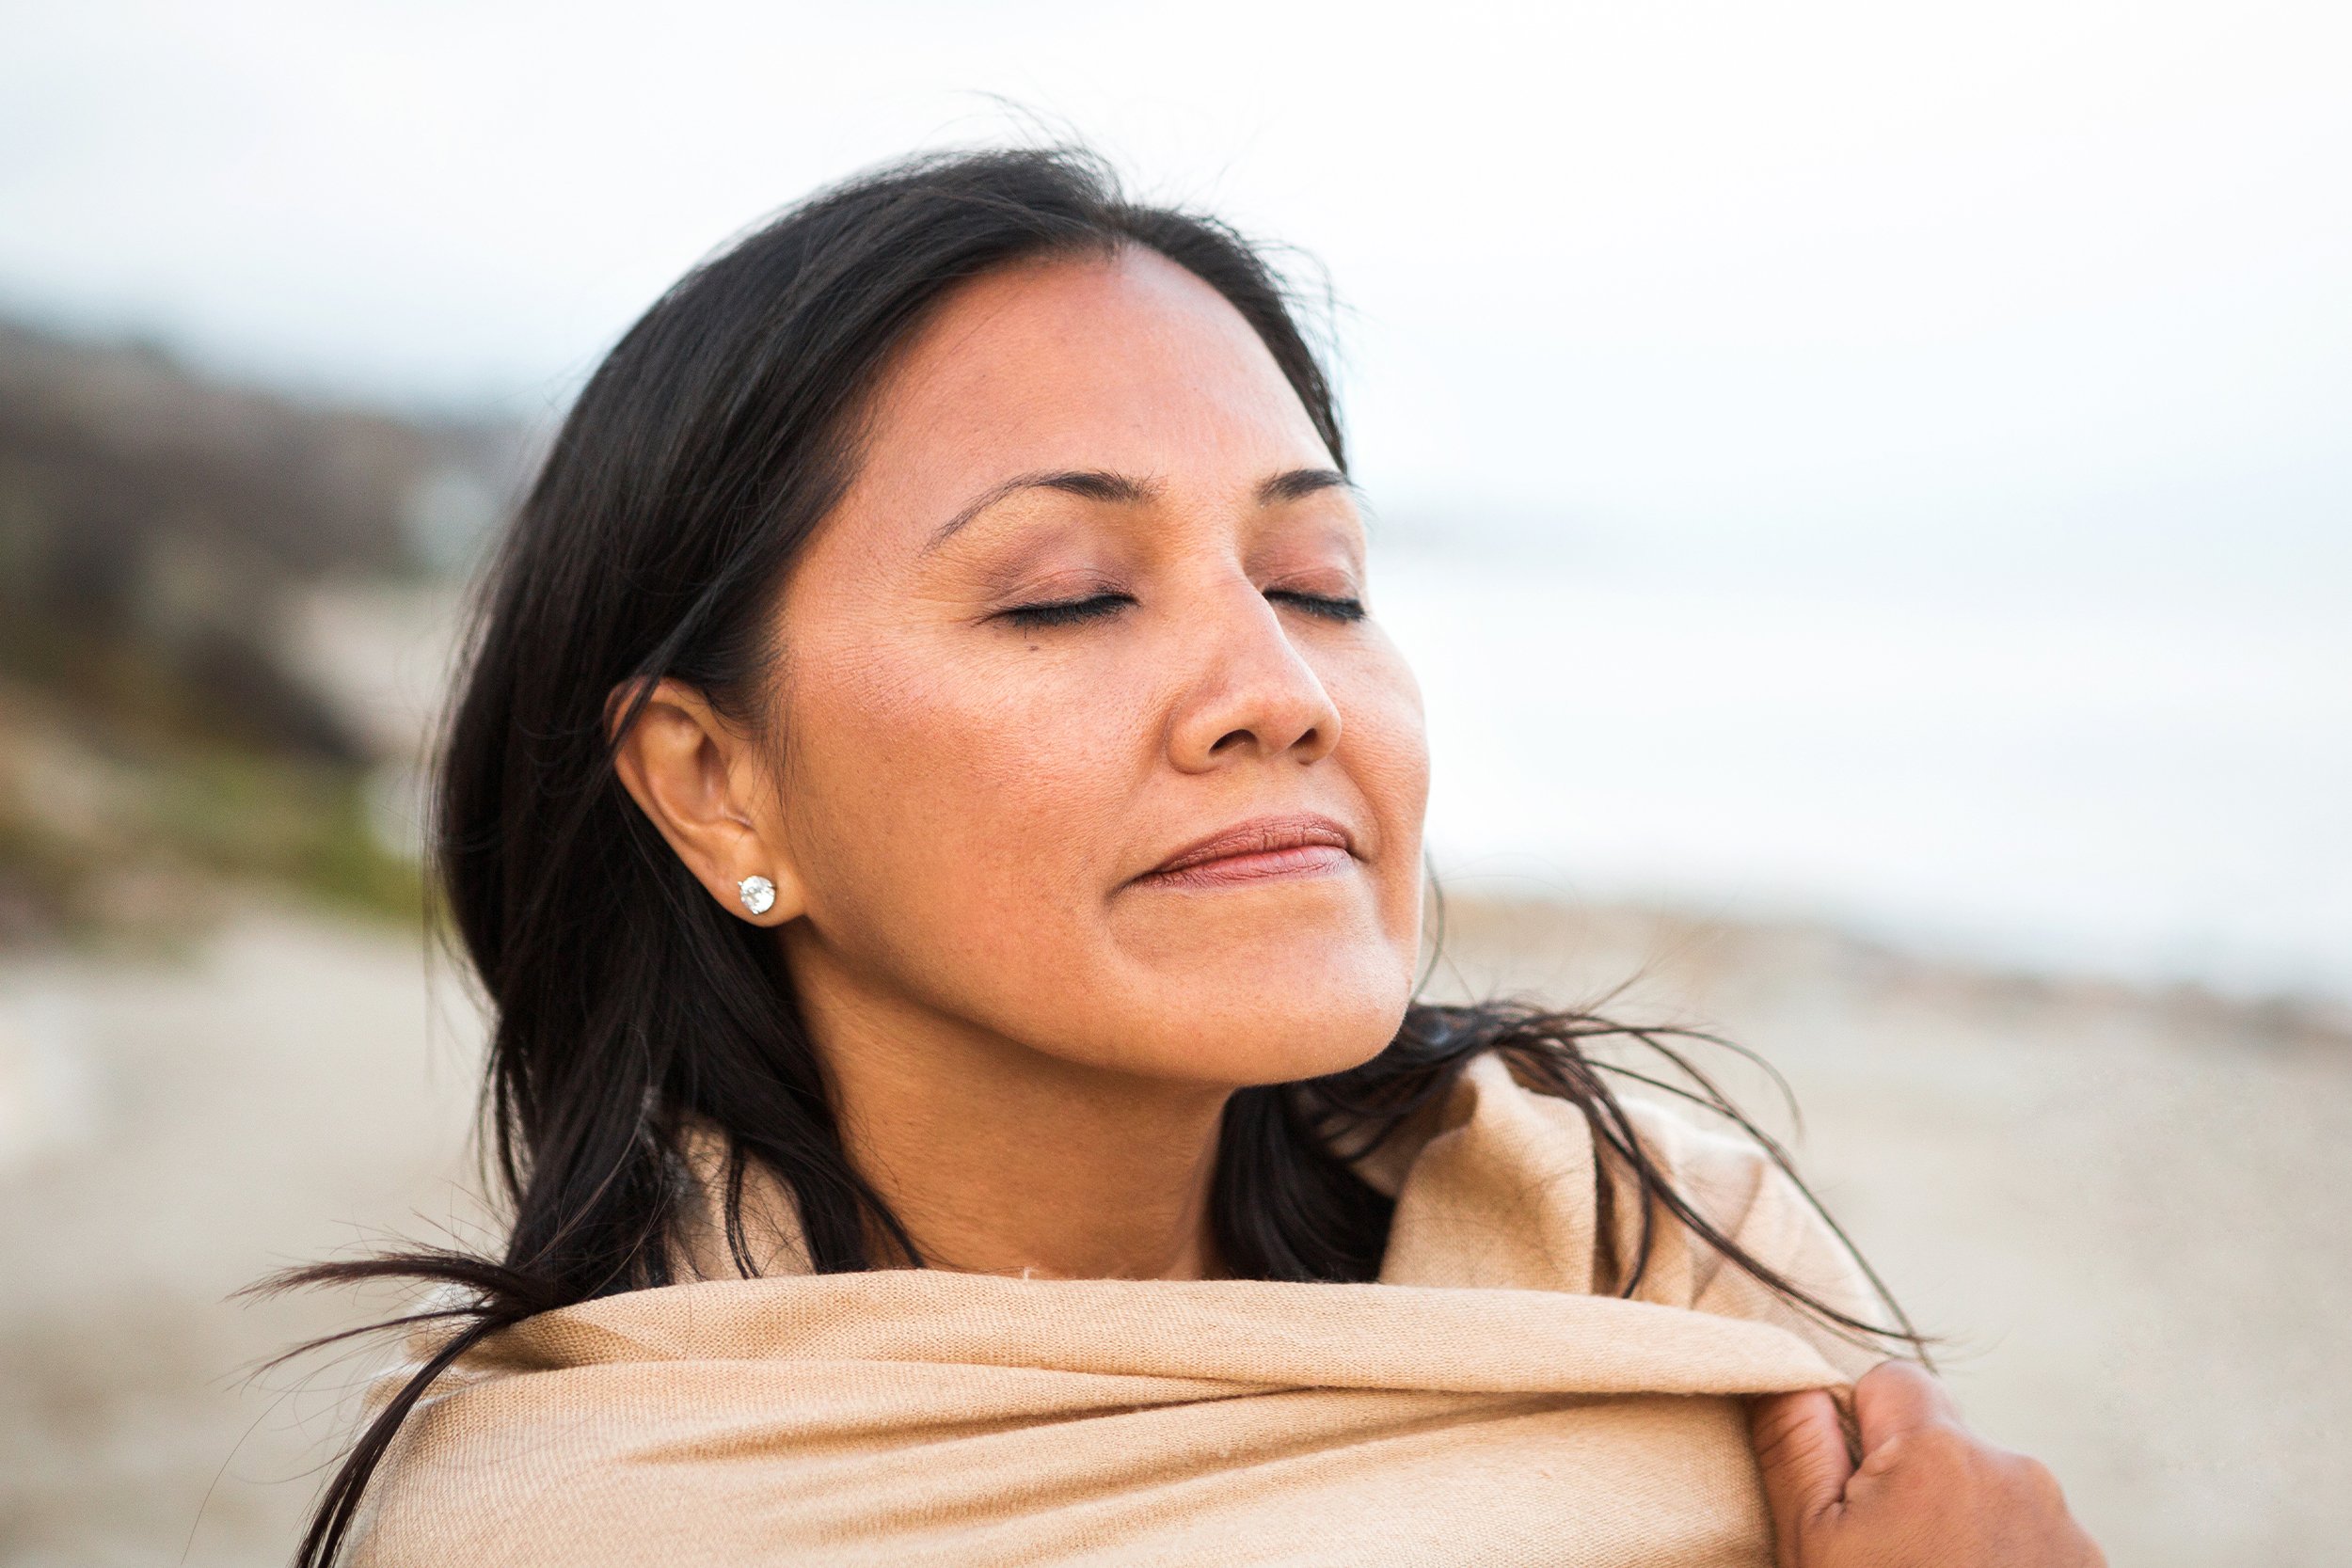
(697, 779)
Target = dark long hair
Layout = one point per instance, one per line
(695, 464)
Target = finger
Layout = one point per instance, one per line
(1802, 1451)
(1896, 1397)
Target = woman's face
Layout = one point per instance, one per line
(973, 793)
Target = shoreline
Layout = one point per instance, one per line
(1507, 931)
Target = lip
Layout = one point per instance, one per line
(1302, 844)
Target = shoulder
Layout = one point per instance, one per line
(1501, 1185)
(1730, 1180)
(767, 1227)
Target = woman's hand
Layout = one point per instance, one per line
(1928, 1494)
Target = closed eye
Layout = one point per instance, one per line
(1326, 606)
(1063, 612)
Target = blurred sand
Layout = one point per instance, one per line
(2128, 1210)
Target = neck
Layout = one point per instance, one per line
(998, 1159)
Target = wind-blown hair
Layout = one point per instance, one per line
(627, 1004)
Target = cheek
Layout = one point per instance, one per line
(1383, 743)
(955, 814)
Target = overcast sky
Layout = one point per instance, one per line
(1896, 459)
(2047, 279)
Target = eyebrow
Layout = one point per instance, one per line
(1102, 485)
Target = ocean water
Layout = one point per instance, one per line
(2150, 785)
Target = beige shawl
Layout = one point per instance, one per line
(1477, 1406)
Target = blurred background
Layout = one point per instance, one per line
(1867, 490)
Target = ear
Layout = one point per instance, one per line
(703, 783)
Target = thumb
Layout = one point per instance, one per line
(1802, 1451)
(1895, 1398)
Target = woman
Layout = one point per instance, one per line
(940, 829)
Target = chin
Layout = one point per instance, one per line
(1277, 1029)
(1277, 994)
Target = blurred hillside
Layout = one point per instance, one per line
(182, 566)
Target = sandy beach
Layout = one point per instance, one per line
(2123, 1207)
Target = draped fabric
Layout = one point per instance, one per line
(1480, 1404)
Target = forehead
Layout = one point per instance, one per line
(1128, 363)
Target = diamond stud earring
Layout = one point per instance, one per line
(757, 894)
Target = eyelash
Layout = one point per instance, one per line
(1068, 612)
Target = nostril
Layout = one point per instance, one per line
(1308, 739)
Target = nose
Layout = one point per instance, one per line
(1252, 693)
